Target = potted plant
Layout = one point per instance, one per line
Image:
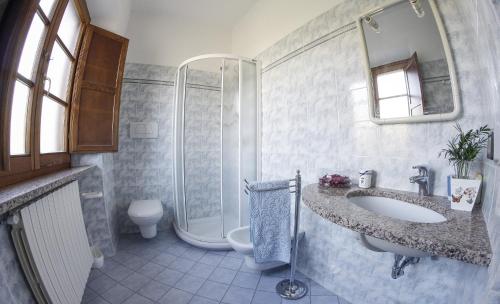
(461, 151)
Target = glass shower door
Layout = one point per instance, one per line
(202, 149)
(230, 145)
(179, 149)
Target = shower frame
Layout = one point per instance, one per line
(178, 155)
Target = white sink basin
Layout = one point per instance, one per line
(397, 209)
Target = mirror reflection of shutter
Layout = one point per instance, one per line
(95, 104)
(414, 83)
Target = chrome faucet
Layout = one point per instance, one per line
(422, 179)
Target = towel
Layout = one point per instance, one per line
(270, 221)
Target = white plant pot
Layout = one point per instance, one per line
(463, 193)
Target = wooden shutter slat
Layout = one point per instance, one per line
(96, 95)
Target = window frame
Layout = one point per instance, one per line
(388, 68)
(16, 168)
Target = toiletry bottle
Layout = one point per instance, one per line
(365, 178)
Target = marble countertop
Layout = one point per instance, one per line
(19, 194)
(462, 237)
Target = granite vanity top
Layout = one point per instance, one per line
(462, 237)
(19, 194)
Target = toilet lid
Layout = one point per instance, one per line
(145, 208)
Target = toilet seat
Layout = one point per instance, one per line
(145, 208)
(146, 214)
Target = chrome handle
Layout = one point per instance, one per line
(47, 79)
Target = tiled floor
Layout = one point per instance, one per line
(168, 270)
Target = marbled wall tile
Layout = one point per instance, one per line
(14, 287)
(143, 167)
(296, 113)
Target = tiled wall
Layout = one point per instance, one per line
(100, 214)
(98, 217)
(14, 289)
(485, 31)
(202, 144)
(315, 118)
(436, 87)
(143, 167)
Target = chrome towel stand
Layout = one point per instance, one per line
(291, 289)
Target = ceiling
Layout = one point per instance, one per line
(216, 12)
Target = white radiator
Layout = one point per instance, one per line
(52, 246)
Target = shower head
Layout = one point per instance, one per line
(372, 23)
(417, 7)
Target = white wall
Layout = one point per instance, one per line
(169, 40)
(111, 15)
(270, 20)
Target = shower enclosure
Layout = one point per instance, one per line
(216, 146)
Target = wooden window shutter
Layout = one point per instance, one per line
(95, 105)
(414, 82)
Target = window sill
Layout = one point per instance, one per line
(15, 196)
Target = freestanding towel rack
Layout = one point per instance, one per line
(292, 289)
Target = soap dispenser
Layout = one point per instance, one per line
(365, 178)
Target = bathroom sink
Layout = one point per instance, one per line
(397, 209)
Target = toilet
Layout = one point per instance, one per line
(146, 214)
(239, 239)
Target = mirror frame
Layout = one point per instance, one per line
(457, 105)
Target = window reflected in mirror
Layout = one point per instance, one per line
(407, 60)
(398, 89)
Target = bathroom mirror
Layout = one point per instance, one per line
(409, 67)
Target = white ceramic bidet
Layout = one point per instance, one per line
(239, 239)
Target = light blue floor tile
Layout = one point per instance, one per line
(214, 276)
(151, 270)
(169, 277)
(213, 290)
(201, 300)
(211, 258)
(119, 273)
(154, 290)
(102, 284)
(98, 300)
(135, 281)
(238, 295)
(117, 294)
(138, 299)
(176, 296)
(268, 283)
(181, 264)
(324, 300)
(194, 254)
(190, 283)
(177, 250)
(264, 297)
(222, 275)
(304, 300)
(88, 295)
(164, 259)
(246, 280)
(201, 270)
(231, 263)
